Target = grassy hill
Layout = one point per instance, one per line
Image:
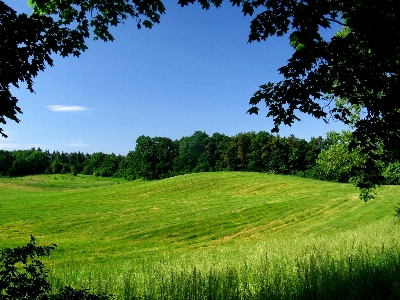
(143, 218)
(206, 219)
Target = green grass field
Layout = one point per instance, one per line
(111, 231)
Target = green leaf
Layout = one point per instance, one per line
(147, 24)
(247, 9)
(253, 110)
(300, 47)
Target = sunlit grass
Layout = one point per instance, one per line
(113, 233)
(294, 268)
(133, 220)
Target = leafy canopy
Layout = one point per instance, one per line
(359, 66)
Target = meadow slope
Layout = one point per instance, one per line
(94, 219)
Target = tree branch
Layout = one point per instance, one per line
(336, 21)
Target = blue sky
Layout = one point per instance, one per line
(193, 71)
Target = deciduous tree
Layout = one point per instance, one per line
(153, 158)
(192, 154)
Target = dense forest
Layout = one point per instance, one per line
(328, 158)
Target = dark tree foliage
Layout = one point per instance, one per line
(237, 154)
(67, 162)
(257, 151)
(6, 161)
(23, 276)
(214, 150)
(278, 156)
(153, 158)
(76, 161)
(29, 162)
(328, 159)
(123, 170)
(159, 157)
(298, 154)
(56, 166)
(109, 166)
(192, 154)
(99, 164)
(94, 163)
(314, 148)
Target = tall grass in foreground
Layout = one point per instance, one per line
(347, 265)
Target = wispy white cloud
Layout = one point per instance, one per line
(80, 143)
(67, 108)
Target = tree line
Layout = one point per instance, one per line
(328, 158)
